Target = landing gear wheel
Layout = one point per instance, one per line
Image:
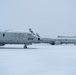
(52, 43)
(25, 46)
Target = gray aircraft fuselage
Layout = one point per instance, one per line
(17, 38)
(58, 41)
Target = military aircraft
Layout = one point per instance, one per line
(17, 38)
(66, 36)
(56, 41)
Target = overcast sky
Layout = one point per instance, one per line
(49, 18)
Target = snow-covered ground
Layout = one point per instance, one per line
(38, 60)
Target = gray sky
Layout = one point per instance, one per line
(49, 18)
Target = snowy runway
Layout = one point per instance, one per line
(38, 60)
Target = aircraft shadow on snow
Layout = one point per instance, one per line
(16, 48)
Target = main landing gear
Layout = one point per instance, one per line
(25, 46)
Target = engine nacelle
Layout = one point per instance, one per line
(2, 44)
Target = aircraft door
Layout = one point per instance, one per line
(19, 38)
(22, 38)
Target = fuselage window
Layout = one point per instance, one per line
(3, 34)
